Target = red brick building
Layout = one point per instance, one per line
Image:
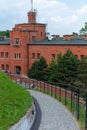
(28, 42)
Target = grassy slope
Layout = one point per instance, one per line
(14, 102)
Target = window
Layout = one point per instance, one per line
(18, 70)
(82, 56)
(7, 67)
(2, 54)
(38, 55)
(33, 55)
(6, 54)
(53, 56)
(2, 67)
(41, 34)
(33, 38)
(16, 40)
(17, 55)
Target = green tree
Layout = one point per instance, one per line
(84, 29)
(5, 33)
(75, 33)
(39, 70)
(60, 70)
(52, 71)
(82, 72)
(67, 67)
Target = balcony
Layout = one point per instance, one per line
(16, 45)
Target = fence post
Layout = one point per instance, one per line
(40, 85)
(44, 87)
(75, 97)
(59, 93)
(29, 83)
(86, 114)
(20, 81)
(55, 91)
(65, 96)
(71, 98)
(51, 90)
(25, 84)
(77, 100)
(33, 85)
(47, 88)
(37, 84)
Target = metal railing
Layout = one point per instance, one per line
(71, 96)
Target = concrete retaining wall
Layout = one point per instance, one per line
(27, 121)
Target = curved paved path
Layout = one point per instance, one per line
(54, 115)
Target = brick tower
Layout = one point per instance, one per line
(21, 36)
(32, 17)
(32, 14)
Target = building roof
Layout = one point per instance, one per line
(60, 41)
(5, 41)
(32, 23)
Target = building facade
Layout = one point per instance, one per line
(28, 42)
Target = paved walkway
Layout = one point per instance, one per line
(54, 115)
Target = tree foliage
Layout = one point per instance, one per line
(82, 71)
(5, 33)
(67, 69)
(84, 29)
(38, 69)
(52, 71)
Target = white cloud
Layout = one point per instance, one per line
(61, 16)
(74, 18)
(82, 10)
(50, 5)
(57, 19)
(20, 4)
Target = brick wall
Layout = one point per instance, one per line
(47, 51)
(4, 61)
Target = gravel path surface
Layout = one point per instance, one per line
(54, 115)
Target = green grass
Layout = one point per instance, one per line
(14, 102)
(81, 120)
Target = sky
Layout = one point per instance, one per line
(61, 16)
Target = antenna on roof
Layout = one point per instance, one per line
(31, 5)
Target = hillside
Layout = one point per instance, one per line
(14, 102)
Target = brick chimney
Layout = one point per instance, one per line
(68, 37)
(32, 17)
(85, 37)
